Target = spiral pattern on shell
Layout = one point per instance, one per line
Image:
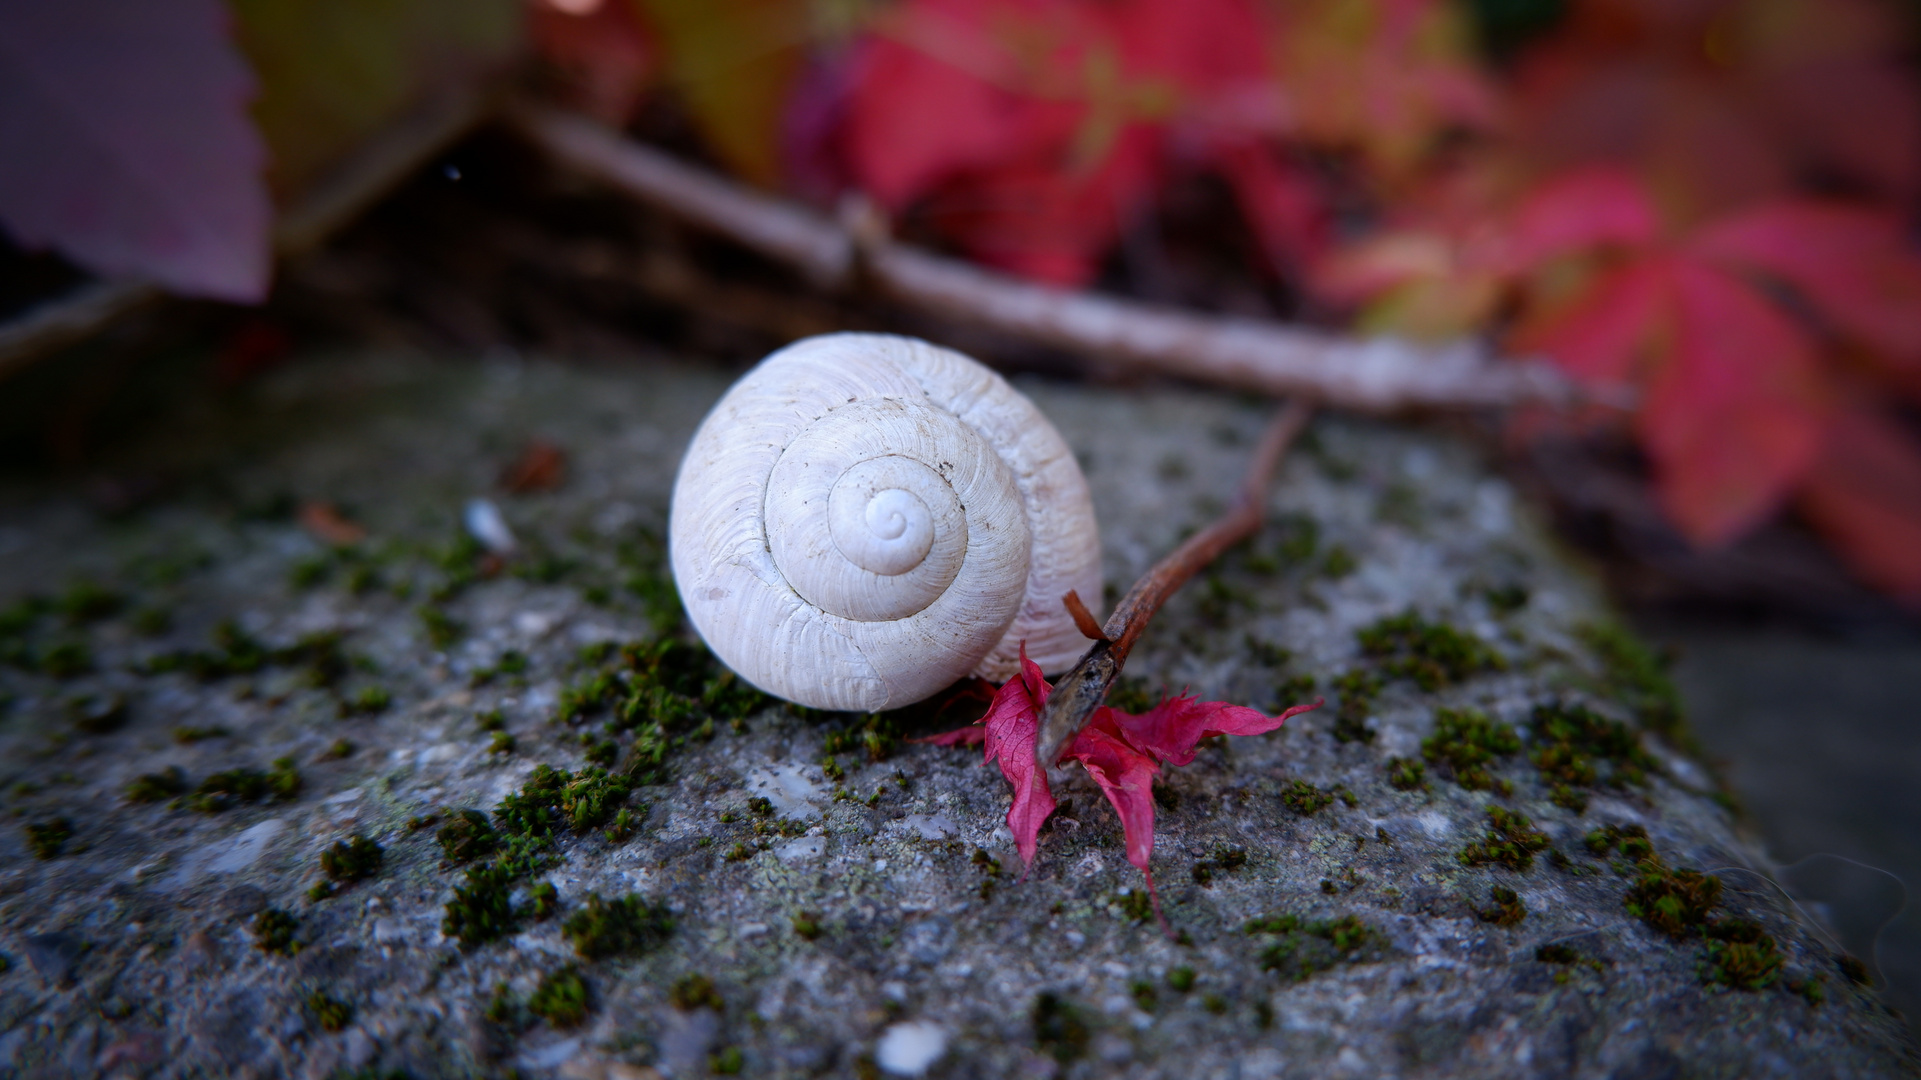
(863, 519)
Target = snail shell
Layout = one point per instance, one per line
(863, 519)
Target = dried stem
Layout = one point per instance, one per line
(1081, 690)
(1374, 375)
(64, 320)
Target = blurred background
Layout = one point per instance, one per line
(1699, 212)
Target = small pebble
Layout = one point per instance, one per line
(907, 1049)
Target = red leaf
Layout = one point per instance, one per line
(598, 51)
(1579, 210)
(1118, 750)
(971, 735)
(1173, 729)
(1284, 204)
(1602, 335)
(325, 523)
(1864, 492)
(1735, 416)
(1853, 264)
(1052, 115)
(1126, 776)
(1011, 726)
(128, 144)
(1721, 102)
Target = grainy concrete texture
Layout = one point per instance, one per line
(814, 895)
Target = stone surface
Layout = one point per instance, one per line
(870, 893)
(1820, 736)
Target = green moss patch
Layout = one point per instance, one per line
(1300, 948)
(467, 835)
(561, 998)
(1682, 903)
(1632, 840)
(354, 859)
(234, 652)
(65, 660)
(1637, 677)
(554, 801)
(1225, 859)
(482, 909)
(276, 931)
(875, 734)
(1467, 742)
(1678, 903)
(48, 839)
(1356, 691)
(1504, 909)
(665, 693)
(695, 991)
(97, 714)
(630, 925)
(1511, 840)
(233, 787)
(1305, 799)
(1060, 1029)
(366, 701)
(155, 787)
(1406, 774)
(443, 630)
(1434, 655)
(331, 1013)
(1741, 956)
(1566, 956)
(1576, 748)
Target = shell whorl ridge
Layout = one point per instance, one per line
(863, 518)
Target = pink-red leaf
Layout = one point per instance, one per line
(1601, 335)
(128, 146)
(1034, 131)
(971, 735)
(1122, 753)
(1173, 729)
(1864, 492)
(1126, 776)
(1578, 211)
(600, 55)
(1735, 416)
(1855, 265)
(1285, 204)
(1011, 726)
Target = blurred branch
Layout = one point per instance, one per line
(64, 320)
(1371, 375)
(354, 183)
(381, 162)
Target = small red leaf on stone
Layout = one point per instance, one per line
(1012, 724)
(971, 735)
(324, 522)
(1173, 729)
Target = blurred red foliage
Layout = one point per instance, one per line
(1704, 201)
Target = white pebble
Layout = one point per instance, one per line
(486, 525)
(908, 1049)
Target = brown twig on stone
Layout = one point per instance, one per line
(1372, 375)
(1081, 690)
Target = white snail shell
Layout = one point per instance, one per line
(863, 519)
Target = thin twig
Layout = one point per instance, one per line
(1081, 690)
(66, 319)
(1372, 375)
(352, 183)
